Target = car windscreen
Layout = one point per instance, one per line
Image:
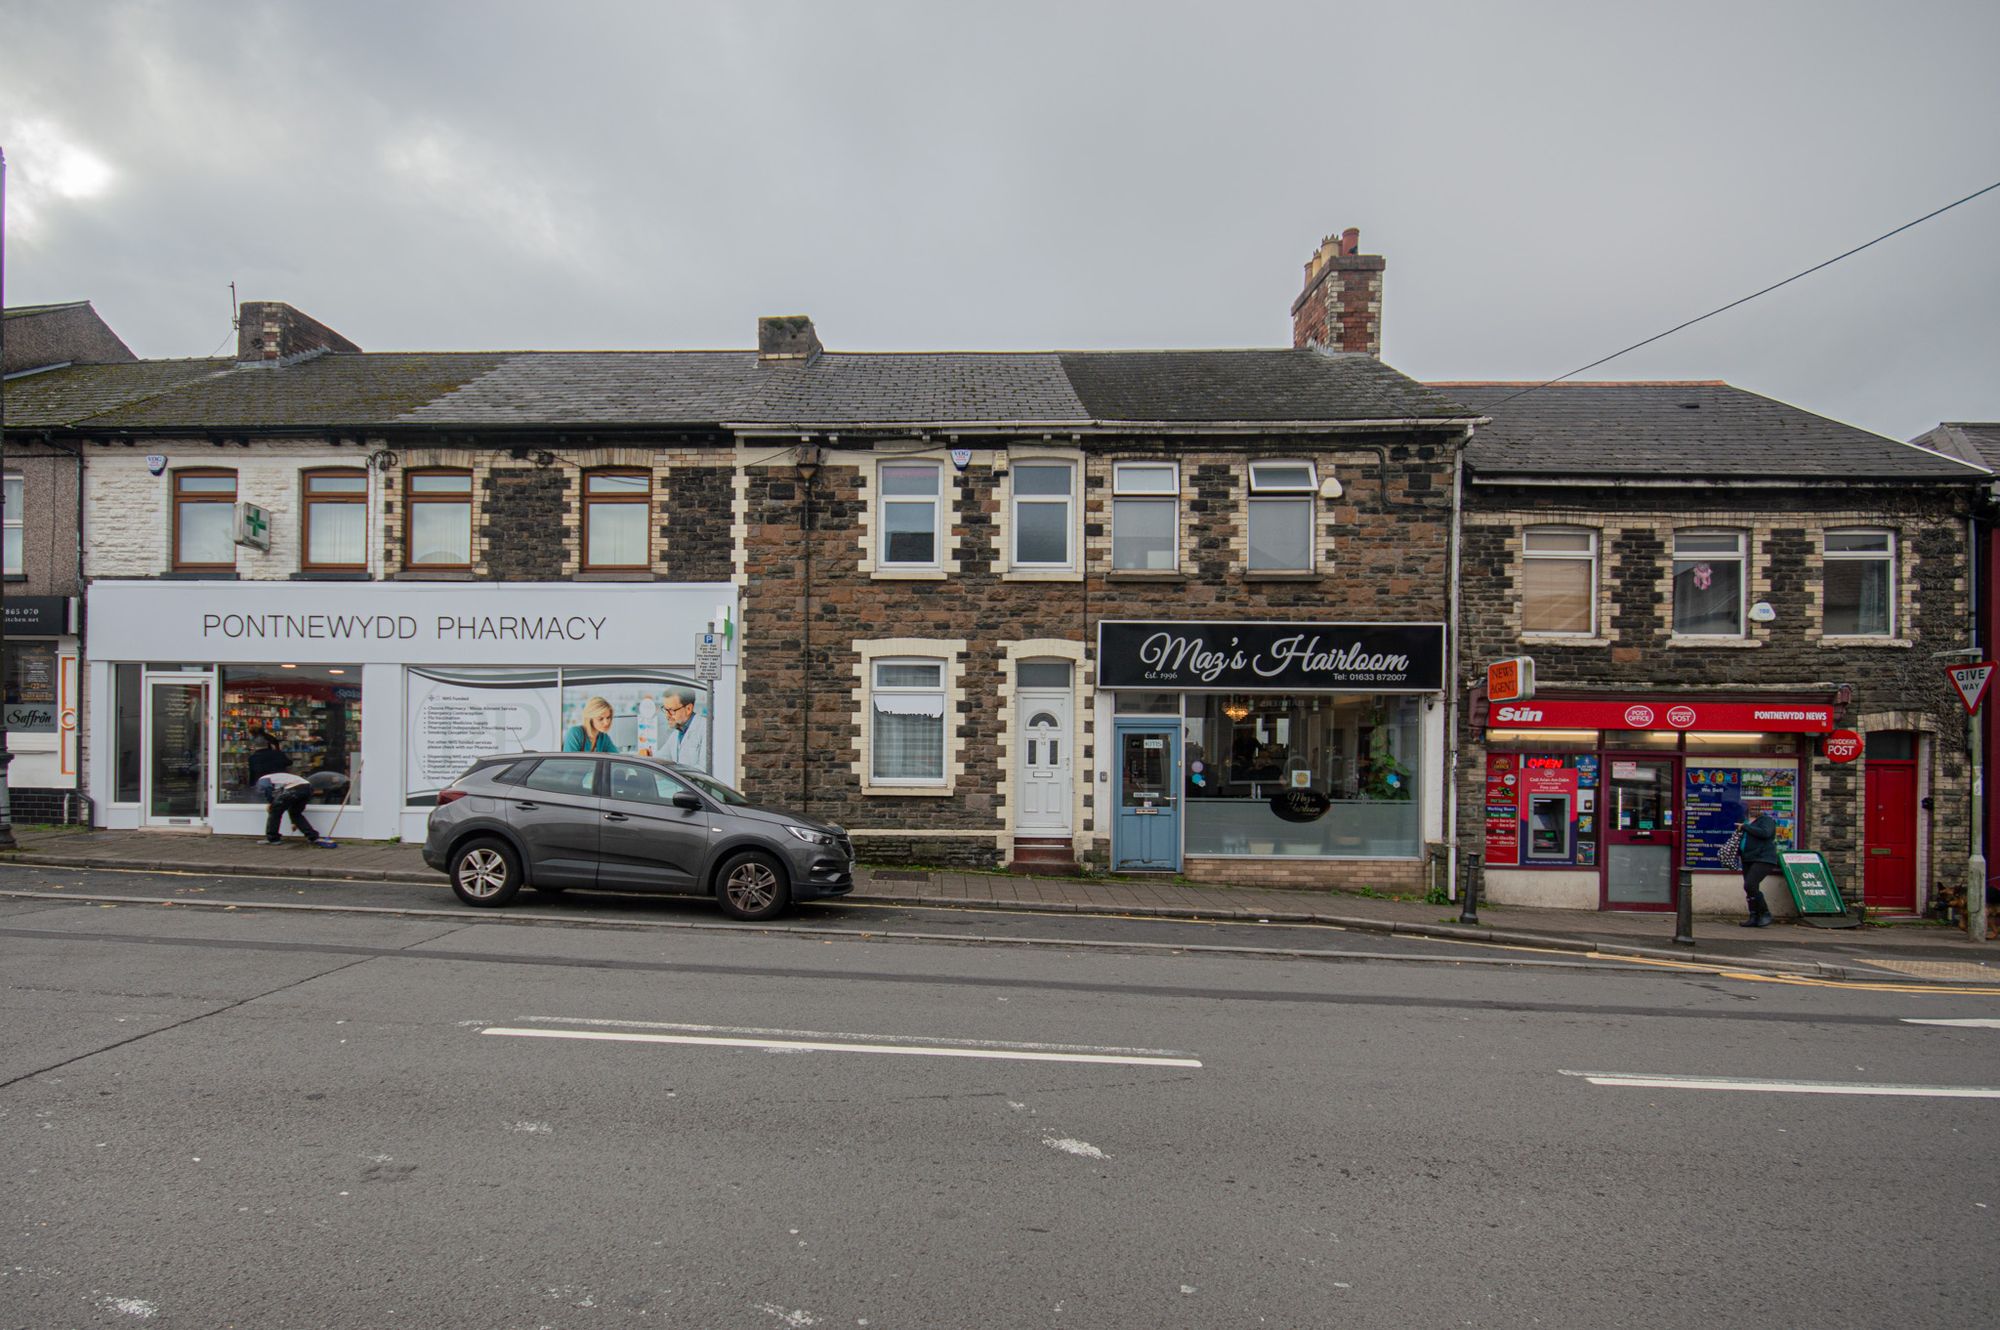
(715, 789)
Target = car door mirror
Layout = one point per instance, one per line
(684, 799)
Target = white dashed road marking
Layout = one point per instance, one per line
(1640, 1080)
(1968, 1023)
(810, 1041)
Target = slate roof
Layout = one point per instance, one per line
(1974, 441)
(1667, 430)
(632, 388)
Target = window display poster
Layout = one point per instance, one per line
(1719, 795)
(653, 713)
(1503, 810)
(458, 715)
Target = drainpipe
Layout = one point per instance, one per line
(1452, 668)
(6, 757)
(809, 462)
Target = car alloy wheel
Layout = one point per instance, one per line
(486, 872)
(753, 888)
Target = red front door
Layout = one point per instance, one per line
(1889, 847)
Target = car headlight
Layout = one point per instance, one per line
(809, 836)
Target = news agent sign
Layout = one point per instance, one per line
(1971, 682)
(1511, 680)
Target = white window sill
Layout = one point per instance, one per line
(1894, 643)
(1725, 643)
(908, 575)
(1565, 640)
(1041, 575)
(914, 791)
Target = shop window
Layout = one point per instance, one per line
(1145, 516)
(128, 701)
(439, 531)
(1559, 581)
(1708, 583)
(907, 704)
(30, 683)
(1043, 504)
(336, 525)
(1360, 752)
(1281, 516)
(909, 508)
(314, 712)
(204, 520)
(617, 512)
(10, 517)
(1860, 584)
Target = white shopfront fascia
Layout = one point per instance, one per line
(385, 627)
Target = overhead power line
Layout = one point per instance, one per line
(1723, 309)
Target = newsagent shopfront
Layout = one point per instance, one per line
(398, 686)
(1300, 744)
(1600, 802)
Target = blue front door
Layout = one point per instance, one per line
(1146, 831)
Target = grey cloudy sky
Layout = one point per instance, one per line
(1548, 182)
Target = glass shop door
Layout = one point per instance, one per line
(176, 766)
(1641, 838)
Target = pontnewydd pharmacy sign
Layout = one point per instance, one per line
(1282, 657)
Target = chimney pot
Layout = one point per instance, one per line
(1350, 241)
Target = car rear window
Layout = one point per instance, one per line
(562, 775)
(513, 773)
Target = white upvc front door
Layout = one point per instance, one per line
(1044, 764)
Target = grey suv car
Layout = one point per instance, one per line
(616, 823)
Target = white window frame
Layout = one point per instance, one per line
(1587, 556)
(15, 498)
(941, 690)
(1887, 557)
(1268, 493)
(1128, 492)
(885, 501)
(1066, 502)
(1741, 558)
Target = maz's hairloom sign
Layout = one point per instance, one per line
(1270, 657)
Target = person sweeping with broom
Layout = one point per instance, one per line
(286, 794)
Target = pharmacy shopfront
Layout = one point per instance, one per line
(1292, 741)
(396, 685)
(1601, 802)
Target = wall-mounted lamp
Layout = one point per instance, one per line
(1331, 488)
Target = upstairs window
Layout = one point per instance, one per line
(1860, 583)
(14, 497)
(336, 525)
(1281, 516)
(1708, 583)
(1559, 581)
(909, 510)
(1042, 509)
(1145, 516)
(617, 512)
(439, 533)
(906, 744)
(204, 520)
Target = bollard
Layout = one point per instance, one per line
(1468, 895)
(1684, 910)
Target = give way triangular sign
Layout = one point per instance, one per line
(1971, 681)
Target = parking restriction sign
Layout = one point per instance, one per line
(708, 659)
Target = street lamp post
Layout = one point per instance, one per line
(6, 757)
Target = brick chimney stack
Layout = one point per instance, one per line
(272, 332)
(1341, 307)
(786, 337)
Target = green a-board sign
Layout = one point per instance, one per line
(1812, 884)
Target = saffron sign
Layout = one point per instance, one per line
(1271, 657)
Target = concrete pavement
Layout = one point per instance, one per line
(1919, 952)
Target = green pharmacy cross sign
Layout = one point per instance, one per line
(1814, 890)
(253, 526)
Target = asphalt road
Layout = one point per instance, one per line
(266, 1119)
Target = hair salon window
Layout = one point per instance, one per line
(204, 520)
(1559, 581)
(336, 525)
(1708, 583)
(1043, 505)
(439, 531)
(907, 704)
(15, 496)
(1860, 584)
(617, 512)
(908, 509)
(1281, 516)
(1145, 516)
(1246, 753)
